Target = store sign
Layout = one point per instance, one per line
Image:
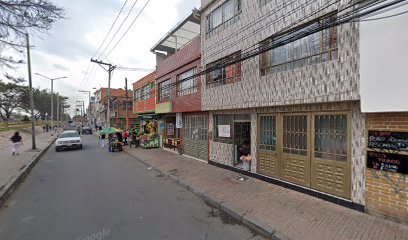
(224, 131)
(179, 120)
(388, 162)
(386, 140)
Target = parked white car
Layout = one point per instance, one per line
(68, 139)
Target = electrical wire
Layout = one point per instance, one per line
(285, 39)
(120, 26)
(127, 30)
(113, 24)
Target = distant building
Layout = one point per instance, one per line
(118, 106)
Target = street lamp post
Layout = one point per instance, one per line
(52, 98)
(89, 98)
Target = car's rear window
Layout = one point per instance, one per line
(68, 135)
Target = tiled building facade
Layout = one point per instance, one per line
(310, 89)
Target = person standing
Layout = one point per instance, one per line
(16, 142)
(102, 140)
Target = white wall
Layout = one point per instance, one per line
(384, 63)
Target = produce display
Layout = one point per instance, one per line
(149, 138)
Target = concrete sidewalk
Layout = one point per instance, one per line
(272, 210)
(11, 166)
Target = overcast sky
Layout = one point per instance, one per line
(66, 50)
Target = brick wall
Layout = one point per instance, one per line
(386, 192)
(147, 105)
(182, 61)
(189, 53)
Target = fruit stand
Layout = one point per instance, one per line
(149, 137)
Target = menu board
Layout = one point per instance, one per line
(388, 162)
(386, 140)
(388, 151)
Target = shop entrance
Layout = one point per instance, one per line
(242, 141)
(195, 136)
(308, 149)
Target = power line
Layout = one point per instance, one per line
(120, 26)
(289, 37)
(127, 29)
(113, 24)
(251, 34)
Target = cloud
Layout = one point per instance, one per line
(66, 50)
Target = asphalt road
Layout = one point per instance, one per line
(92, 194)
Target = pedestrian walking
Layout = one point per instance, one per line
(16, 142)
(125, 137)
(102, 140)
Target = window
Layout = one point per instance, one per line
(268, 133)
(137, 95)
(224, 75)
(224, 15)
(145, 92)
(315, 48)
(330, 137)
(295, 134)
(264, 2)
(164, 90)
(223, 120)
(227, 121)
(189, 86)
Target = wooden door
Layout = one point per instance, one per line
(268, 161)
(295, 149)
(331, 153)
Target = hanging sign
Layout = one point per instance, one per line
(224, 131)
(179, 120)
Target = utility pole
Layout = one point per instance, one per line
(126, 104)
(89, 98)
(52, 99)
(58, 107)
(109, 70)
(31, 93)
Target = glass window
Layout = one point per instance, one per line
(137, 95)
(145, 92)
(226, 120)
(186, 83)
(330, 137)
(315, 48)
(268, 133)
(224, 75)
(295, 134)
(164, 90)
(227, 12)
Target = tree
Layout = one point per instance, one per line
(18, 17)
(11, 96)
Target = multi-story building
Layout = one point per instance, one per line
(283, 85)
(179, 89)
(118, 105)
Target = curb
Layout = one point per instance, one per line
(8, 189)
(240, 216)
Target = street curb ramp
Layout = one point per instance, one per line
(12, 186)
(243, 218)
